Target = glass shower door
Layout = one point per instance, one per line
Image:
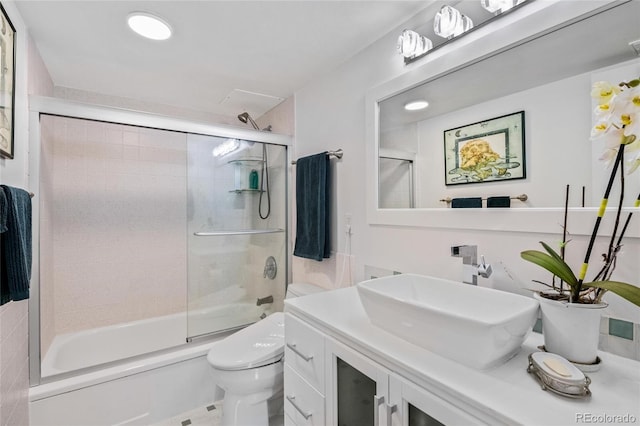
(236, 232)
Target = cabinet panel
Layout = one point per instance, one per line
(304, 351)
(419, 407)
(302, 403)
(357, 388)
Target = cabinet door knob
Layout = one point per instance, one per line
(293, 347)
(377, 402)
(305, 414)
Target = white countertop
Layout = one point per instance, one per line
(506, 392)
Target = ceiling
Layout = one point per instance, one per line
(225, 57)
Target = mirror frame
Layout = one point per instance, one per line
(538, 19)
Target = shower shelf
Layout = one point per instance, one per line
(238, 232)
(246, 161)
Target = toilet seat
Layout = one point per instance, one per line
(255, 346)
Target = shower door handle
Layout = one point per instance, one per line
(238, 232)
(293, 347)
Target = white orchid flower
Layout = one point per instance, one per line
(603, 91)
(632, 154)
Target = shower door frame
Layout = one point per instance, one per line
(38, 106)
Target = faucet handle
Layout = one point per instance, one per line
(484, 269)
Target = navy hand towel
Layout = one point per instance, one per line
(312, 207)
(15, 240)
(466, 203)
(499, 201)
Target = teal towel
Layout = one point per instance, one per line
(466, 203)
(312, 207)
(15, 244)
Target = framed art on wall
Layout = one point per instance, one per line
(486, 151)
(7, 84)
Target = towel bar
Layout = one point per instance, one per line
(521, 197)
(337, 153)
(238, 232)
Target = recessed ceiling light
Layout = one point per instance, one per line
(416, 105)
(149, 26)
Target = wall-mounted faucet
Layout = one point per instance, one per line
(470, 268)
(262, 301)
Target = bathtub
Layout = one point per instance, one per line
(141, 391)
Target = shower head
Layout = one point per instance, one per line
(246, 118)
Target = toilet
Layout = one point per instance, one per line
(248, 366)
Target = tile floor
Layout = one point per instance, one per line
(209, 415)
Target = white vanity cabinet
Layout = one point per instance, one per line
(339, 366)
(354, 390)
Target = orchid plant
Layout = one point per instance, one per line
(618, 126)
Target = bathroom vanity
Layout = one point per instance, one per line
(341, 369)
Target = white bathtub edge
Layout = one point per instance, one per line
(47, 390)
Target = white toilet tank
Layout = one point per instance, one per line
(302, 289)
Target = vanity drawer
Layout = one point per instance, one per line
(302, 403)
(304, 351)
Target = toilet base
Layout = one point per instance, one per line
(238, 410)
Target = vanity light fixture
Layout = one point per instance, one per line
(412, 44)
(149, 25)
(416, 105)
(449, 22)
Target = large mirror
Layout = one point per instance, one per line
(548, 77)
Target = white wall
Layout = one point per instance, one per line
(330, 113)
(31, 77)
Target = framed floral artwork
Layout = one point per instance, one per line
(487, 151)
(7, 84)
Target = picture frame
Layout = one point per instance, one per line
(7, 84)
(487, 151)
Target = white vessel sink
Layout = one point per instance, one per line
(475, 326)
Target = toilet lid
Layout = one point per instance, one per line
(259, 344)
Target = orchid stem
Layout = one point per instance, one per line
(603, 207)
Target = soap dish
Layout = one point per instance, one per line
(558, 375)
(585, 368)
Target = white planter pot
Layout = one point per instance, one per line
(571, 330)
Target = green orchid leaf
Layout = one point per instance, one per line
(551, 251)
(568, 272)
(553, 264)
(624, 290)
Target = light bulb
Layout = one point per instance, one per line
(499, 6)
(449, 22)
(226, 147)
(416, 105)
(149, 26)
(411, 44)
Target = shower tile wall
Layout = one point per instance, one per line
(114, 214)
